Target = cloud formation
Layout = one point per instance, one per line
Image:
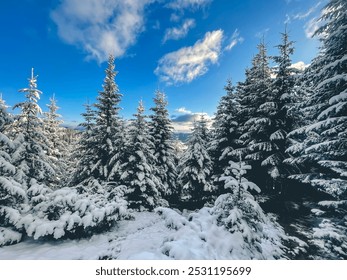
(188, 63)
(234, 40)
(180, 32)
(100, 27)
(186, 4)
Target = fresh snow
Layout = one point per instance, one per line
(131, 239)
(164, 234)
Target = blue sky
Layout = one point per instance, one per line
(186, 48)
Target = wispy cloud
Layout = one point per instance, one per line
(234, 40)
(184, 4)
(311, 27)
(188, 63)
(180, 32)
(303, 15)
(308, 12)
(100, 27)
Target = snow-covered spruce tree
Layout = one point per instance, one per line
(195, 167)
(30, 144)
(302, 92)
(120, 157)
(56, 145)
(139, 174)
(239, 213)
(324, 142)
(255, 121)
(70, 138)
(11, 192)
(276, 109)
(106, 131)
(84, 155)
(225, 131)
(160, 129)
(77, 211)
(303, 112)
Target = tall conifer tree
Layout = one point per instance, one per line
(30, 155)
(195, 167)
(139, 172)
(322, 145)
(161, 132)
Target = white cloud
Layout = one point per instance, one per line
(188, 63)
(311, 27)
(234, 40)
(176, 33)
(100, 27)
(185, 4)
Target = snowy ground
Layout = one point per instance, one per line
(164, 234)
(135, 239)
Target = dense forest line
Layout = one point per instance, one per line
(276, 155)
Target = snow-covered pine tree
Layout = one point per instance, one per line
(73, 212)
(324, 142)
(70, 138)
(238, 210)
(302, 92)
(139, 174)
(122, 155)
(11, 192)
(84, 155)
(302, 112)
(225, 131)
(276, 109)
(160, 129)
(106, 130)
(30, 144)
(255, 121)
(195, 167)
(57, 147)
(239, 213)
